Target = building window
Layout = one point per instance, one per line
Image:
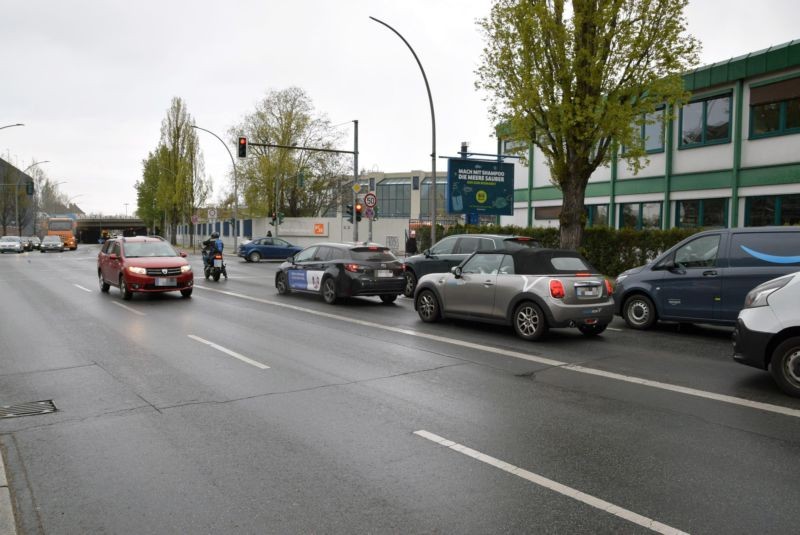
(596, 215)
(642, 215)
(425, 197)
(701, 213)
(706, 122)
(546, 212)
(394, 197)
(772, 210)
(775, 119)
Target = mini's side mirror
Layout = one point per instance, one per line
(456, 271)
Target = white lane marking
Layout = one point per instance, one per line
(82, 288)
(234, 354)
(615, 329)
(129, 309)
(542, 481)
(779, 409)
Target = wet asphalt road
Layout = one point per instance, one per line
(242, 411)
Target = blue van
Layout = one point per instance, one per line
(705, 278)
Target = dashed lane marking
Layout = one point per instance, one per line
(129, 309)
(227, 351)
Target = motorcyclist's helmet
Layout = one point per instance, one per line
(215, 235)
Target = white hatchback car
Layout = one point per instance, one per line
(767, 333)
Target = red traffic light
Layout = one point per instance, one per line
(359, 207)
(242, 147)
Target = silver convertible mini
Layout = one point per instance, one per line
(531, 289)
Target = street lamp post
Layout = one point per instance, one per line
(11, 125)
(235, 187)
(433, 129)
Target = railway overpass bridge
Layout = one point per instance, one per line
(91, 228)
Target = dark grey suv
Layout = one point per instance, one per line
(452, 250)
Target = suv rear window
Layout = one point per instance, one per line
(520, 243)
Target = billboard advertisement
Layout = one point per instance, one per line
(480, 187)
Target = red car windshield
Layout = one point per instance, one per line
(148, 249)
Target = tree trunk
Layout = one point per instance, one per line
(572, 212)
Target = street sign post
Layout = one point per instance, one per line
(370, 199)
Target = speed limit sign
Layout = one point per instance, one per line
(370, 199)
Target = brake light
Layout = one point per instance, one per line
(583, 274)
(217, 256)
(352, 268)
(556, 289)
(609, 288)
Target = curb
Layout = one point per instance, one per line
(7, 524)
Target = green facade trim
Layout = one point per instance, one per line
(773, 59)
(706, 180)
(768, 176)
(775, 80)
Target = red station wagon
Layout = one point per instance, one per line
(143, 264)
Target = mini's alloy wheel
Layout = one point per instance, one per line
(411, 284)
(329, 290)
(529, 321)
(427, 306)
(280, 284)
(104, 286)
(639, 312)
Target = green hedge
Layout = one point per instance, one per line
(611, 251)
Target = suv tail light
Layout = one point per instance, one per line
(352, 268)
(556, 289)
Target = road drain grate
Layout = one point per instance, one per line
(27, 409)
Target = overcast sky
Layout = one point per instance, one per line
(92, 80)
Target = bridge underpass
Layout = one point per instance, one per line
(90, 229)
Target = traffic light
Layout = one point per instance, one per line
(280, 218)
(242, 147)
(375, 212)
(359, 209)
(349, 213)
(29, 188)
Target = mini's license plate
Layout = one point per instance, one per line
(588, 291)
(165, 281)
(384, 273)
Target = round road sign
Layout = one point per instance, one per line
(212, 213)
(370, 199)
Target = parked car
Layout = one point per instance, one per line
(52, 243)
(143, 264)
(27, 243)
(36, 242)
(11, 244)
(337, 270)
(452, 251)
(704, 278)
(267, 248)
(531, 289)
(767, 333)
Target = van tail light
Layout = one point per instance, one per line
(609, 287)
(556, 289)
(352, 268)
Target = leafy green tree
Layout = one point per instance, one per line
(578, 80)
(303, 181)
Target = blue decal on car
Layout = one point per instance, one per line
(772, 259)
(297, 279)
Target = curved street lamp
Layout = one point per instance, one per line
(235, 186)
(433, 129)
(11, 125)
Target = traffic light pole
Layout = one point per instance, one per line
(354, 152)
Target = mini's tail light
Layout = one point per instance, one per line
(609, 287)
(556, 289)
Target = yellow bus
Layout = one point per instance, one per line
(66, 228)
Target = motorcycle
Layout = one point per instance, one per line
(214, 267)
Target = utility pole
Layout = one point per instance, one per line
(355, 181)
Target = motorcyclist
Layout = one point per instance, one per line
(210, 246)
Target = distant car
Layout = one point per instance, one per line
(337, 270)
(36, 242)
(452, 250)
(27, 243)
(11, 244)
(143, 264)
(267, 248)
(531, 289)
(52, 243)
(767, 333)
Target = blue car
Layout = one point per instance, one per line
(268, 248)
